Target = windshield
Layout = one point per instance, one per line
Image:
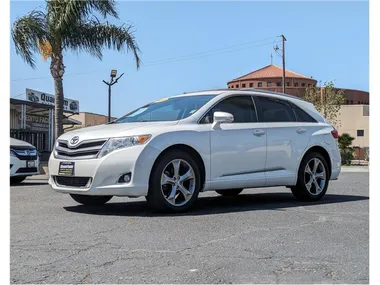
(168, 109)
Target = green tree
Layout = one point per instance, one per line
(344, 142)
(69, 25)
(328, 102)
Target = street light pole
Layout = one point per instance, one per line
(110, 83)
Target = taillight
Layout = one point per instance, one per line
(334, 133)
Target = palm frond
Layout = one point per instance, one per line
(27, 32)
(93, 36)
(64, 13)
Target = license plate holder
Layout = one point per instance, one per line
(30, 164)
(66, 168)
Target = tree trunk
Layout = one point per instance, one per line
(57, 69)
(58, 118)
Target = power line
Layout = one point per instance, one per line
(177, 59)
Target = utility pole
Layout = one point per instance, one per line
(283, 63)
(110, 83)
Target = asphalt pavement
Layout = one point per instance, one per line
(261, 236)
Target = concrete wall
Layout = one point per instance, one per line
(353, 118)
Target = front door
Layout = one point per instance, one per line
(238, 149)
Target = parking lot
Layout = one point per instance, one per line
(260, 236)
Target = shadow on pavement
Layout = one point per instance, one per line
(24, 184)
(215, 205)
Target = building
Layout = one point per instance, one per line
(354, 114)
(270, 78)
(87, 119)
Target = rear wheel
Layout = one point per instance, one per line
(17, 179)
(313, 178)
(174, 183)
(229, 192)
(90, 200)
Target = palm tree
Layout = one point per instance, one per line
(70, 25)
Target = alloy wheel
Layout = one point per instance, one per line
(315, 176)
(178, 182)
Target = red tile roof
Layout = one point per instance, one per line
(270, 71)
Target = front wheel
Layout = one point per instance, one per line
(313, 178)
(229, 192)
(90, 200)
(174, 183)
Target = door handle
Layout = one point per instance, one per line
(301, 130)
(258, 132)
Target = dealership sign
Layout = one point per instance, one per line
(69, 105)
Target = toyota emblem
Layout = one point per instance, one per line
(74, 140)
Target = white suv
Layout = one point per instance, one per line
(220, 140)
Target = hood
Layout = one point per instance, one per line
(18, 143)
(116, 130)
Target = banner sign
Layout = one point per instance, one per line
(69, 105)
(36, 122)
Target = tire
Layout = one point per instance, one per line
(17, 179)
(300, 191)
(160, 195)
(229, 192)
(91, 200)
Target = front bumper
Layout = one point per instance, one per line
(105, 172)
(20, 167)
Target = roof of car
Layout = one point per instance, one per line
(238, 90)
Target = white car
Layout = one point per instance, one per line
(24, 161)
(220, 140)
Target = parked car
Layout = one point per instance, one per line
(219, 140)
(24, 161)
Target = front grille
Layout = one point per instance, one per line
(24, 152)
(72, 181)
(26, 170)
(84, 150)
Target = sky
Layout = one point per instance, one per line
(189, 46)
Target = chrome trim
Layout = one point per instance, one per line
(77, 150)
(254, 172)
(25, 152)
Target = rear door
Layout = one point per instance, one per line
(287, 139)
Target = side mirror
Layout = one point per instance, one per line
(222, 117)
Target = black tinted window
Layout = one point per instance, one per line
(302, 116)
(241, 107)
(275, 110)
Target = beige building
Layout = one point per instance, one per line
(88, 119)
(354, 120)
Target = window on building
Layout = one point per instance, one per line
(278, 83)
(360, 133)
(309, 85)
(241, 107)
(359, 102)
(237, 86)
(250, 84)
(352, 102)
(347, 102)
(243, 85)
(303, 84)
(260, 84)
(288, 84)
(295, 84)
(275, 110)
(269, 84)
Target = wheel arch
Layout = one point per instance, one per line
(193, 152)
(321, 150)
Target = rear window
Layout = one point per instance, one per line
(302, 116)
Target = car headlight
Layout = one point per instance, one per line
(118, 143)
(12, 153)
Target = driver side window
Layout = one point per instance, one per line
(241, 107)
